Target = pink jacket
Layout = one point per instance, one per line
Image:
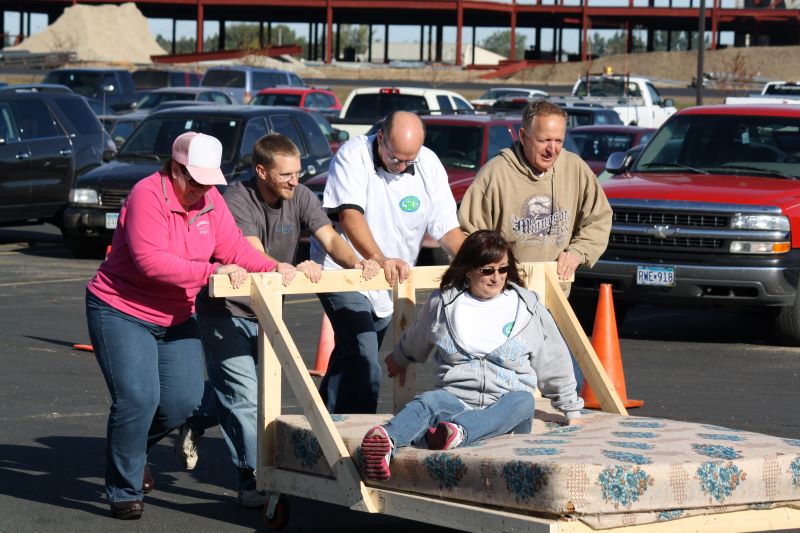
(161, 252)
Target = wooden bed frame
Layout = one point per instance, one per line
(277, 352)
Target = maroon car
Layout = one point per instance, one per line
(596, 143)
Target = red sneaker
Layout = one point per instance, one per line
(446, 436)
(376, 448)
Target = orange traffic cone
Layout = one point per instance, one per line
(606, 343)
(83, 347)
(324, 347)
(89, 347)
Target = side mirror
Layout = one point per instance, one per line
(668, 102)
(617, 163)
(108, 155)
(341, 135)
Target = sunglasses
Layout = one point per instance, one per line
(488, 271)
(190, 181)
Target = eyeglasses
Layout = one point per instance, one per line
(488, 271)
(190, 181)
(392, 160)
(289, 176)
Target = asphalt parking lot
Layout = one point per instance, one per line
(718, 367)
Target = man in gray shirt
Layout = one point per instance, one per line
(272, 210)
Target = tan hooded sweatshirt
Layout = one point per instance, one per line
(563, 209)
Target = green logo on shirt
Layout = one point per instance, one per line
(409, 204)
(507, 329)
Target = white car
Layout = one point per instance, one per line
(487, 99)
(367, 105)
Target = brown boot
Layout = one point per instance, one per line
(131, 510)
(147, 480)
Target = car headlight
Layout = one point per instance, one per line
(760, 247)
(760, 222)
(83, 196)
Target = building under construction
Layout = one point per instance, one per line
(752, 22)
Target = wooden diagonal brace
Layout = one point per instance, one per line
(356, 494)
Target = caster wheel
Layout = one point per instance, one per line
(276, 512)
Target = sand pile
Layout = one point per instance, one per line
(107, 33)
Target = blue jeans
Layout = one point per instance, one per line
(513, 412)
(353, 380)
(154, 375)
(231, 393)
(579, 379)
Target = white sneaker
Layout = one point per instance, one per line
(186, 447)
(252, 498)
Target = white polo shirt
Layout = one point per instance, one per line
(398, 208)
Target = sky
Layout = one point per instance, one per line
(397, 33)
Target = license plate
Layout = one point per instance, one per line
(111, 220)
(657, 276)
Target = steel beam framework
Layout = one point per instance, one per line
(781, 25)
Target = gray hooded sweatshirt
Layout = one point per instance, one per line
(534, 355)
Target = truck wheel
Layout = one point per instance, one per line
(787, 323)
(86, 247)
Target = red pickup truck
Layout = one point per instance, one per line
(708, 215)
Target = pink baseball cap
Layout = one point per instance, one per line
(201, 155)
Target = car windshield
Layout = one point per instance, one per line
(156, 134)
(372, 105)
(497, 93)
(277, 99)
(224, 78)
(784, 89)
(122, 130)
(457, 146)
(153, 99)
(150, 79)
(98, 107)
(324, 125)
(726, 144)
(607, 87)
(83, 83)
(598, 145)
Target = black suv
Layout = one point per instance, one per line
(47, 139)
(97, 197)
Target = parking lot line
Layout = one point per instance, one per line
(42, 281)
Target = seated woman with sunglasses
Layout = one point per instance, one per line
(493, 342)
(140, 307)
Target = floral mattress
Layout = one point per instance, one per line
(611, 471)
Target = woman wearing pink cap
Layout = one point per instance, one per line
(140, 306)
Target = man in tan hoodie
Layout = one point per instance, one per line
(545, 199)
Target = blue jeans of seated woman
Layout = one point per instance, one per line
(512, 413)
(154, 375)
